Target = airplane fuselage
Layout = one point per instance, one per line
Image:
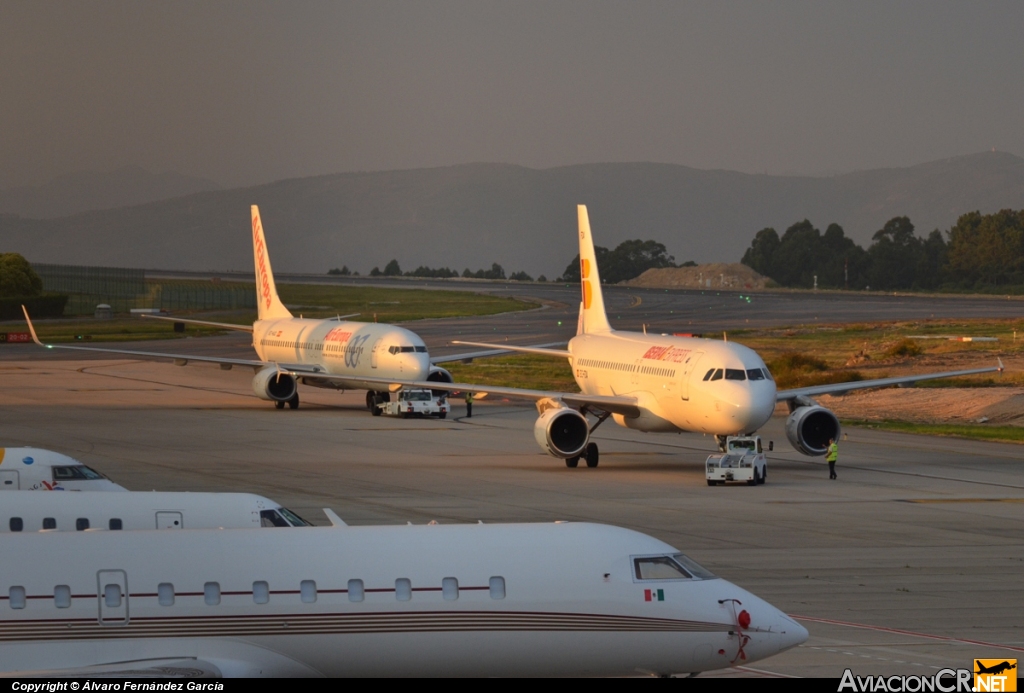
(343, 348)
(675, 381)
(471, 600)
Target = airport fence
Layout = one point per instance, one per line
(124, 288)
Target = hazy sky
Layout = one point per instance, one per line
(248, 92)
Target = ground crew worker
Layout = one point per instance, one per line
(469, 405)
(833, 454)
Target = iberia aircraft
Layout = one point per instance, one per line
(664, 383)
(332, 353)
(427, 600)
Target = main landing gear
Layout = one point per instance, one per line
(292, 403)
(590, 453)
(375, 398)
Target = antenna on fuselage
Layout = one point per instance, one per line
(725, 337)
(645, 328)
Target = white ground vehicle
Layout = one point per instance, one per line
(414, 402)
(743, 460)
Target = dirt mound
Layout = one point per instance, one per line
(994, 405)
(717, 275)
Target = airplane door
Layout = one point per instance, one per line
(9, 480)
(373, 353)
(169, 520)
(684, 380)
(112, 588)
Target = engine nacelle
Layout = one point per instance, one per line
(267, 385)
(439, 375)
(562, 432)
(809, 429)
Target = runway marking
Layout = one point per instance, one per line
(764, 672)
(961, 500)
(915, 634)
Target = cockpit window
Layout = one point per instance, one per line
(717, 375)
(293, 518)
(421, 349)
(78, 471)
(659, 568)
(271, 518)
(697, 570)
(755, 374)
(735, 374)
(676, 567)
(707, 376)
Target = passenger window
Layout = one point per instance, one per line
(112, 595)
(450, 589)
(659, 568)
(115, 523)
(755, 374)
(717, 375)
(707, 376)
(735, 374)
(271, 518)
(497, 585)
(355, 591)
(82, 523)
(260, 592)
(211, 593)
(307, 591)
(49, 523)
(62, 596)
(403, 589)
(17, 524)
(16, 597)
(165, 594)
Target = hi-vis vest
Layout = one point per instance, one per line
(833, 452)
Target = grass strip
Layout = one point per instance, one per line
(1005, 434)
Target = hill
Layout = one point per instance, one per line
(475, 214)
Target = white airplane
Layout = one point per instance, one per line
(293, 350)
(87, 510)
(663, 383)
(442, 600)
(35, 469)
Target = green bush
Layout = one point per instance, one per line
(17, 278)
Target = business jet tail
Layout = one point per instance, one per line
(592, 315)
(269, 306)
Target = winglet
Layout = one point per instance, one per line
(333, 517)
(31, 328)
(592, 314)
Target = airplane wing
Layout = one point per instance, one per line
(540, 349)
(206, 323)
(839, 388)
(616, 404)
(178, 359)
(498, 350)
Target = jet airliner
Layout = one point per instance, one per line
(664, 383)
(428, 600)
(293, 350)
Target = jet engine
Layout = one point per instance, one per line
(810, 427)
(439, 375)
(269, 384)
(562, 432)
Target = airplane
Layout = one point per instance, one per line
(295, 350)
(663, 383)
(427, 600)
(35, 469)
(88, 510)
(996, 668)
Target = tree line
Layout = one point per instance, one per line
(981, 251)
(393, 269)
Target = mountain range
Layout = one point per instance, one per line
(474, 214)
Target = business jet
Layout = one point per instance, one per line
(35, 469)
(426, 600)
(295, 350)
(88, 510)
(664, 383)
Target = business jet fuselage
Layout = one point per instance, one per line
(35, 469)
(442, 600)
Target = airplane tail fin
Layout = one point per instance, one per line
(592, 314)
(269, 306)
